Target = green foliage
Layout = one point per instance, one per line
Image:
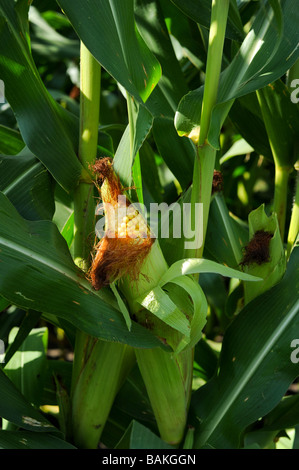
(255, 367)
(200, 355)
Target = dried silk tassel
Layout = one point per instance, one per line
(127, 239)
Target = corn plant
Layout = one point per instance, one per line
(149, 224)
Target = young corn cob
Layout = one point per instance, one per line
(127, 239)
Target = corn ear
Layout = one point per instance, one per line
(168, 380)
(167, 375)
(98, 383)
(134, 260)
(262, 258)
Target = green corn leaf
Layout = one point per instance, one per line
(177, 274)
(3, 304)
(64, 219)
(240, 147)
(30, 440)
(27, 184)
(281, 118)
(178, 154)
(150, 174)
(284, 416)
(124, 156)
(28, 323)
(248, 121)
(11, 141)
(262, 439)
(16, 409)
(137, 178)
(200, 12)
(107, 28)
(249, 70)
(174, 248)
(168, 92)
(122, 306)
(160, 305)
(190, 39)
(26, 368)
(137, 436)
(226, 236)
(194, 265)
(255, 365)
(46, 41)
(10, 317)
(46, 128)
(206, 359)
(200, 307)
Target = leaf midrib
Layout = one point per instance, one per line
(20, 177)
(64, 270)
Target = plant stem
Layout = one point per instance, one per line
(90, 86)
(203, 173)
(213, 68)
(205, 162)
(280, 196)
(84, 207)
(294, 224)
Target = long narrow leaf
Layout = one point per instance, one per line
(194, 265)
(29, 440)
(255, 365)
(26, 367)
(16, 409)
(27, 184)
(10, 141)
(45, 126)
(200, 12)
(108, 30)
(249, 70)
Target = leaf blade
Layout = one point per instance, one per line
(117, 44)
(255, 366)
(33, 106)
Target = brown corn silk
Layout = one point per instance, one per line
(217, 185)
(258, 249)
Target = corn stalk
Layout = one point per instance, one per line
(97, 364)
(206, 155)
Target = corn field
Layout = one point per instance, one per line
(149, 222)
